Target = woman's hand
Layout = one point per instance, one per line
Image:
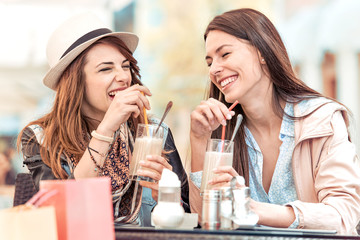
(153, 167)
(130, 101)
(224, 175)
(208, 116)
(269, 214)
(204, 119)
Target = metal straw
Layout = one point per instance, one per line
(167, 109)
(239, 119)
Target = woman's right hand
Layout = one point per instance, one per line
(207, 117)
(224, 175)
(204, 119)
(130, 101)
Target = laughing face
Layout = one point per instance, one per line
(107, 72)
(234, 67)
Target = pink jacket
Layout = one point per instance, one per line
(325, 168)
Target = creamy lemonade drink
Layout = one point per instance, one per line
(147, 142)
(216, 155)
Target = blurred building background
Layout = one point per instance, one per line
(322, 37)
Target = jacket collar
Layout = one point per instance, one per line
(318, 122)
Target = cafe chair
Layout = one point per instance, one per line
(24, 188)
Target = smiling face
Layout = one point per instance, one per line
(106, 72)
(235, 67)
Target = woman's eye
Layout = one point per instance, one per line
(104, 69)
(209, 64)
(225, 54)
(126, 66)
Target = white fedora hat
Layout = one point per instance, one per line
(72, 37)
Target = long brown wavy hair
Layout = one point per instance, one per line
(257, 29)
(64, 126)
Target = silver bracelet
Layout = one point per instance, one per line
(101, 137)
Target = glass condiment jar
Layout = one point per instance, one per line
(168, 213)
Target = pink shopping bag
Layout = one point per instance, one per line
(83, 208)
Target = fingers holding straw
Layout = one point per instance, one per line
(223, 128)
(146, 119)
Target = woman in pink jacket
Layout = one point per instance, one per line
(293, 147)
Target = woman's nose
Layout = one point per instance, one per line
(215, 68)
(121, 76)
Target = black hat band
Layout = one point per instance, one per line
(87, 37)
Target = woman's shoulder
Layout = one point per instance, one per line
(33, 131)
(155, 121)
(317, 106)
(319, 116)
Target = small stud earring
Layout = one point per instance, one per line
(263, 60)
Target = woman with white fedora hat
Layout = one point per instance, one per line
(98, 104)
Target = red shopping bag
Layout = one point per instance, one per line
(83, 208)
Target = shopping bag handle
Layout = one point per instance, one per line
(40, 197)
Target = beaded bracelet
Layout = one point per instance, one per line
(97, 166)
(101, 154)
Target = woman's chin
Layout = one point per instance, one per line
(230, 99)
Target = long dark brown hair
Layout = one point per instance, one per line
(64, 126)
(257, 29)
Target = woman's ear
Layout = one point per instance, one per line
(262, 59)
